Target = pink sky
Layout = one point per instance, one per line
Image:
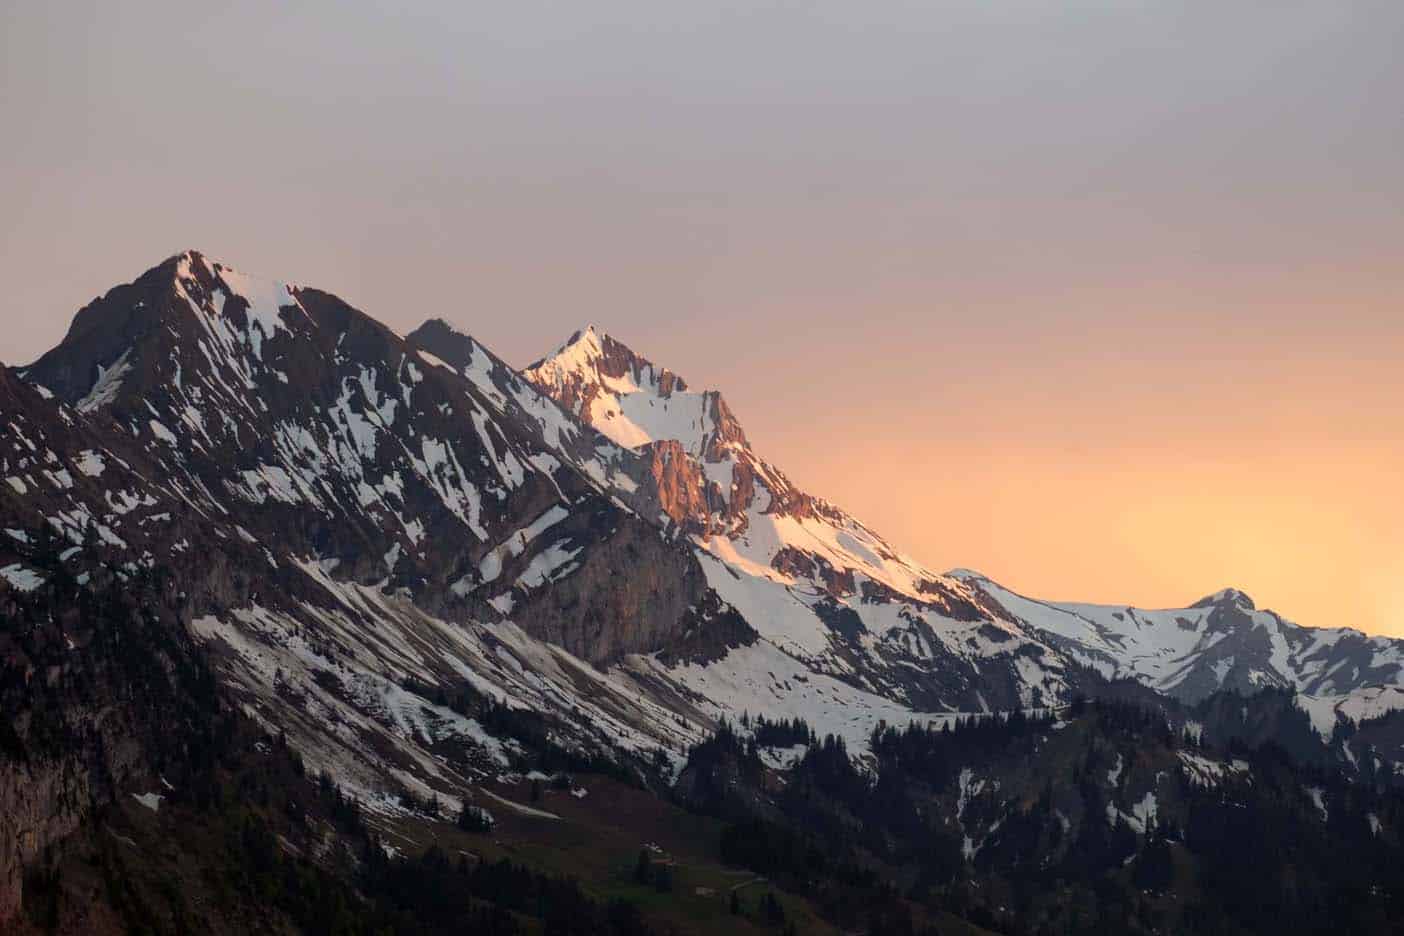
(1105, 300)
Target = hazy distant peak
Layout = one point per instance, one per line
(1230, 596)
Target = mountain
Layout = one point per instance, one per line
(319, 428)
(357, 515)
(793, 558)
(429, 574)
(813, 581)
(592, 503)
(1220, 642)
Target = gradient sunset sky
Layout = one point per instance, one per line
(1103, 299)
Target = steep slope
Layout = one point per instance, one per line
(814, 581)
(346, 525)
(830, 592)
(320, 430)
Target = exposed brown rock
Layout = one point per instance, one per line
(680, 486)
(631, 594)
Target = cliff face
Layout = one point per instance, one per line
(629, 593)
(46, 796)
(95, 670)
(680, 486)
(97, 690)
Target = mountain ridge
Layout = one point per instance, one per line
(430, 574)
(667, 553)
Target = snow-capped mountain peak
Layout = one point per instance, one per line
(584, 346)
(1229, 596)
(810, 578)
(630, 399)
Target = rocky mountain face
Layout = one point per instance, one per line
(425, 568)
(831, 592)
(312, 426)
(99, 685)
(812, 580)
(707, 476)
(342, 525)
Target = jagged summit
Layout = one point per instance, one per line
(443, 340)
(1229, 596)
(587, 337)
(588, 347)
(192, 256)
(183, 311)
(630, 399)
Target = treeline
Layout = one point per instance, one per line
(784, 733)
(1273, 843)
(936, 755)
